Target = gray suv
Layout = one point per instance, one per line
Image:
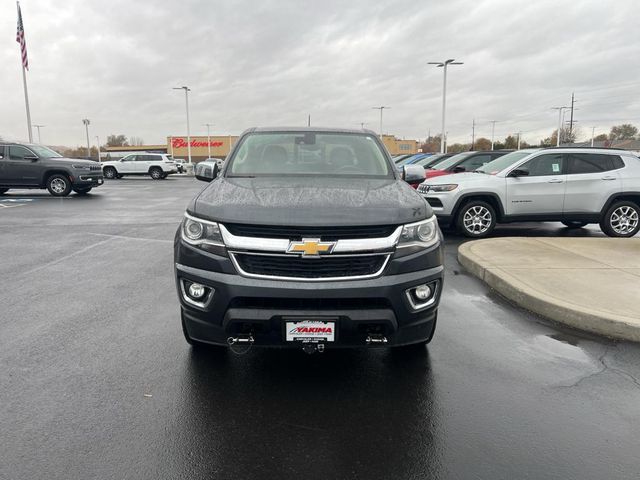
(36, 166)
(575, 186)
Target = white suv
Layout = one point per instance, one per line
(156, 165)
(575, 186)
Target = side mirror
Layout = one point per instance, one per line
(518, 172)
(33, 158)
(206, 171)
(459, 169)
(413, 173)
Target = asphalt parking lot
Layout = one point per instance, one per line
(97, 381)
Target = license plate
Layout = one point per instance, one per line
(310, 331)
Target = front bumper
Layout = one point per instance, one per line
(89, 180)
(241, 305)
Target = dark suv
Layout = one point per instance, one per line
(309, 238)
(35, 166)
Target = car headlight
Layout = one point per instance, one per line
(196, 231)
(442, 188)
(82, 167)
(420, 234)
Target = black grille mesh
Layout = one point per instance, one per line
(298, 233)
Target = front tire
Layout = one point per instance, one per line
(622, 219)
(110, 173)
(58, 185)
(156, 173)
(82, 191)
(476, 219)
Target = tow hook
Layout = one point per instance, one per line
(242, 340)
(376, 339)
(312, 348)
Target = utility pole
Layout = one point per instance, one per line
(38, 127)
(309, 121)
(519, 133)
(493, 129)
(186, 100)
(381, 108)
(593, 132)
(208, 125)
(444, 65)
(98, 141)
(571, 120)
(560, 109)
(86, 127)
(473, 133)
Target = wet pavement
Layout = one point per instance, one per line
(97, 381)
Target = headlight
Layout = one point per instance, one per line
(82, 167)
(442, 188)
(196, 231)
(422, 234)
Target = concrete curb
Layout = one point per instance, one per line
(601, 323)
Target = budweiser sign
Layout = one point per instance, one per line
(181, 143)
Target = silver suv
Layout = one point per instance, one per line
(575, 186)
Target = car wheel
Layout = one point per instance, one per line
(82, 191)
(476, 219)
(622, 219)
(3, 191)
(110, 173)
(200, 345)
(58, 185)
(156, 173)
(574, 224)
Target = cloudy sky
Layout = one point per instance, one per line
(271, 62)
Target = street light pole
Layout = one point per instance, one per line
(493, 129)
(519, 133)
(560, 109)
(208, 125)
(98, 141)
(444, 65)
(86, 127)
(186, 101)
(381, 108)
(38, 127)
(593, 132)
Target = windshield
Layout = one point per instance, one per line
(503, 162)
(448, 162)
(430, 160)
(44, 152)
(309, 153)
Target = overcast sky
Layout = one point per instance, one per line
(274, 62)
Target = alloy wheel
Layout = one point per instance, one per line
(477, 220)
(58, 185)
(624, 220)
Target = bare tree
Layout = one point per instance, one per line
(136, 141)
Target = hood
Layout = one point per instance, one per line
(306, 201)
(465, 177)
(70, 161)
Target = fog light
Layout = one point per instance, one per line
(423, 292)
(197, 291)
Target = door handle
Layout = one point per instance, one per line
(608, 178)
(556, 180)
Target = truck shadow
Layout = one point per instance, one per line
(286, 412)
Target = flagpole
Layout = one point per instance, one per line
(26, 94)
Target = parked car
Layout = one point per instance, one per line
(575, 186)
(427, 162)
(25, 165)
(399, 158)
(464, 162)
(156, 165)
(290, 249)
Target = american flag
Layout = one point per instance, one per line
(20, 39)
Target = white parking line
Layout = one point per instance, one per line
(124, 237)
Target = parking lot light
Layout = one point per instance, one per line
(444, 65)
(186, 100)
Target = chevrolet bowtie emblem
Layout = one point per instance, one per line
(311, 247)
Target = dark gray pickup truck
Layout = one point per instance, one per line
(310, 238)
(25, 165)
